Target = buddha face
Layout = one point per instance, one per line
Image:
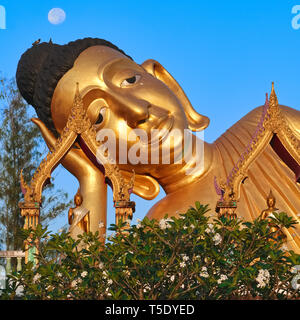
(121, 95)
(78, 200)
(271, 202)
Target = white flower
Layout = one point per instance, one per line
(49, 288)
(182, 264)
(101, 265)
(210, 228)
(101, 224)
(217, 239)
(147, 288)
(223, 277)
(185, 227)
(75, 283)
(263, 278)
(109, 282)
(107, 292)
(172, 278)
(84, 274)
(163, 224)
(204, 273)
(185, 257)
(59, 274)
(36, 278)
(192, 226)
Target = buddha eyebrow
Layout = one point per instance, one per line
(131, 63)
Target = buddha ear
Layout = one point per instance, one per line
(196, 121)
(144, 186)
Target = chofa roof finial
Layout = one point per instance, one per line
(273, 93)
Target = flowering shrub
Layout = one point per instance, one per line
(190, 257)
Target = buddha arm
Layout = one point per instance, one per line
(70, 216)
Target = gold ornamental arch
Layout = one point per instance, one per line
(80, 127)
(273, 130)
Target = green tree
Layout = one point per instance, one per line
(21, 146)
(192, 257)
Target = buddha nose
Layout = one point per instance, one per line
(135, 112)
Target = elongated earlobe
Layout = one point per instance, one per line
(145, 186)
(196, 121)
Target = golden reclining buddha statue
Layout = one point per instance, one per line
(117, 92)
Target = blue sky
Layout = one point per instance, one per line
(225, 54)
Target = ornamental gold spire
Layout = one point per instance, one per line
(78, 121)
(273, 109)
(273, 102)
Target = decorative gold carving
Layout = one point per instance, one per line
(227, 209)
(272, 122)
(277, 124)
(78, 124)
(78, 121)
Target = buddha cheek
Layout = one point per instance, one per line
(157, 94)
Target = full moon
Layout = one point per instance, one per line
(56, 16)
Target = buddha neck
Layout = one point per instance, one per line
(175, 176)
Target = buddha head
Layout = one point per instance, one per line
(78, 198)
(117, 92)
(271, 201)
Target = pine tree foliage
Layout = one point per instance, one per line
(20, 145)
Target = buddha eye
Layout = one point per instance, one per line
(101, 116)
(130, 81)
